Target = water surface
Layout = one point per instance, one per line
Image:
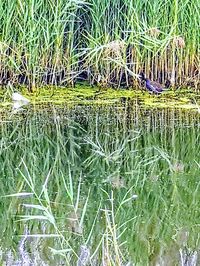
(111, 185)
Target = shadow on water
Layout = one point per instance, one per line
(116, 185)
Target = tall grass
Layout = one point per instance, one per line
(58, 42)
(108, 186)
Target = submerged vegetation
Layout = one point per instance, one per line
(60, 42)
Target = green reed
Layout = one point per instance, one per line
(58, 42)
(119, 184)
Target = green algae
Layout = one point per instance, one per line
(182, 98)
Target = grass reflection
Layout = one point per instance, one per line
(107, 186)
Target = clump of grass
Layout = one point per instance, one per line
(58, 42)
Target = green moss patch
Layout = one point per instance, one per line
(94, 95)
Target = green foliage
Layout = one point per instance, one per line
(57, 42)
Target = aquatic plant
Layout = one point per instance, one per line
(58, 42)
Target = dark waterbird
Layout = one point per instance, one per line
(152, 86)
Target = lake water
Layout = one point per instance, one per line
(115, 185)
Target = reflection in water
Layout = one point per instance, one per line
(120, 183)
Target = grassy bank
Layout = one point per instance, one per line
(59, 42)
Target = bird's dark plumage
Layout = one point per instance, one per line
(152, 86)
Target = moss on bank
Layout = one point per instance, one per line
(182, 98)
